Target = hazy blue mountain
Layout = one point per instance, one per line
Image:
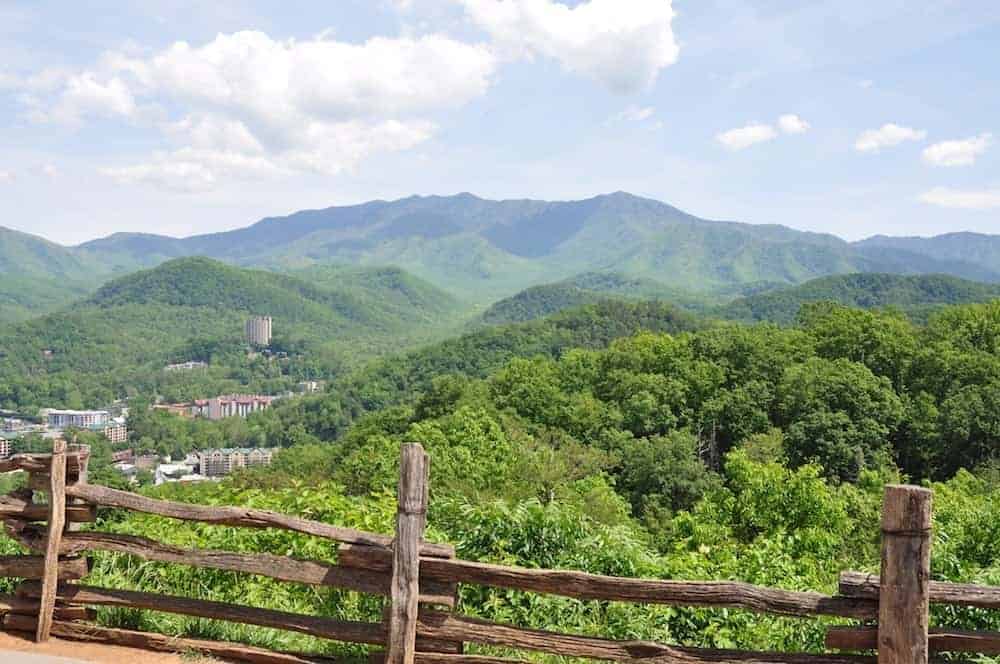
(916, 295)
(482, 250)
(977, 249)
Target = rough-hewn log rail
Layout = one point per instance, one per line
(581, 585)
(17, 507)
(33, 567)
(238, 516)
(25, 606)
(327, 628)
(448, 626)
(863, 585)
(161, 643)
(941, 640)
(283, 568)
(40, 463)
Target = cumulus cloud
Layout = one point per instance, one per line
(621, 43)
(86, 94)
(6, 176)
(965, 199)
(887, 136)
(743, 137)
(259, 107)
(792, 124)
(957, 153)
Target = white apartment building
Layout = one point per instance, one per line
(80, 419)
(218, 462)
(237, 405)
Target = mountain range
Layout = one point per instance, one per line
(481, 250)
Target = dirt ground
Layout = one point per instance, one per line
(88, 652)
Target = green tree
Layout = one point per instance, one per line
(838, 414)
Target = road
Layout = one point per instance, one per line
(10, 657)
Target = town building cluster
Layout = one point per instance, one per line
(53, 423)
(217, 408)
(195, 467)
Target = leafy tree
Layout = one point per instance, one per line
(838, 414)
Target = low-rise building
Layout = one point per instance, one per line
(237, 405)
(147, 461)
(5, 447)
(79, 419)
(223, 461)
(176, 472)
(123, 456)
(310, 386)
(179, 409)
(13, 425)
(186, 366)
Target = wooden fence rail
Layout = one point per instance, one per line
(420, 580)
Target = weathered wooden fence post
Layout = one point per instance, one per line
(410, 521)
(53, 541)
(904, 584)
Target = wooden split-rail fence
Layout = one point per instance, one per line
(419, 580)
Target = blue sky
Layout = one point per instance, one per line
(850, 117)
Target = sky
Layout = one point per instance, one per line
(178, 117)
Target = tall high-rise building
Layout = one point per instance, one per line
(258, 331)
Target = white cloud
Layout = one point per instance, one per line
(6, 176)
(254, 106)
(49, 170)
(634, 114)
(744, 137)
(621, 43)
(957, 153)
(965, 199)
(85, 94)
(792, 124)
(886, 136)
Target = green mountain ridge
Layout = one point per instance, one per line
(194, 309)
(589, 288)
(916, 295)
(481, 250)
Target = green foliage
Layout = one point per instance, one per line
(838, 414)
(116, 343)
(916, 295)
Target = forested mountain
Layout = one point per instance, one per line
(38, 276)
(482, 250)
(977, 249)
(589, 288)
(117, 341)
(916, 295)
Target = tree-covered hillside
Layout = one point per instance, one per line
(917, 295)
(116, 342)
(588, 288)
(37, 276)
